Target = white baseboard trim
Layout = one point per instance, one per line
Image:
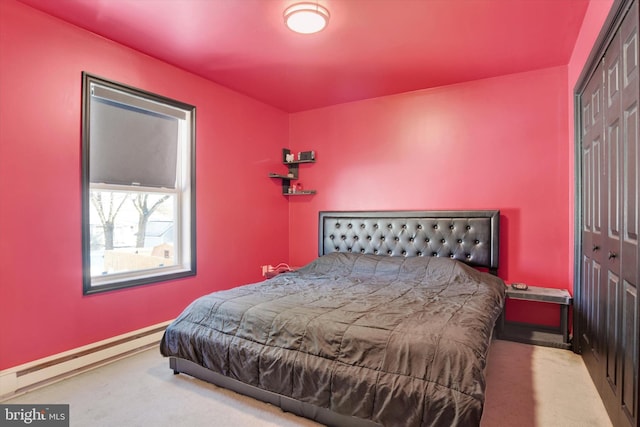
(29, 376)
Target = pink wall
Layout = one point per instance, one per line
(42, 309)
(501, 143)
(491, 144)
(504, 143)
(593, 21)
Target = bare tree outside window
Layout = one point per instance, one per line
(141, 203)
(107, 211)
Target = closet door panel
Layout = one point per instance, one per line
(610, 390)
(629, 395)
(628, 259)
(613, 330)
(610, 156)
(594, 293)
(630, 94)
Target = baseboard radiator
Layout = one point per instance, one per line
(29, 376)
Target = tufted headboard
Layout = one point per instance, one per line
(468, 236)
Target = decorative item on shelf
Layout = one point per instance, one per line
(298, 187)
(289, 157)
(306, 155)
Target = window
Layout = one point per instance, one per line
(138, 186)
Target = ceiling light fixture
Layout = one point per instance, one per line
(306, 18)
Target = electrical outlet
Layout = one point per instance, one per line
(267, 269)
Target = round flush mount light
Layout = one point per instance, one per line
(306, 18)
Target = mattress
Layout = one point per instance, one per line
(399, 341)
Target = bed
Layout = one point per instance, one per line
(390, 325)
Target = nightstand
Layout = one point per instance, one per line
(538, 334)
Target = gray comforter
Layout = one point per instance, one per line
(398, 341)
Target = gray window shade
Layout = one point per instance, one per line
(130, 144)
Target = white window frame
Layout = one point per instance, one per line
(183, 193)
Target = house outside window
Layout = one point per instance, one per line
(138, 176)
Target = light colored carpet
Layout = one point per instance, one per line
(531, 386)
(527, 386)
